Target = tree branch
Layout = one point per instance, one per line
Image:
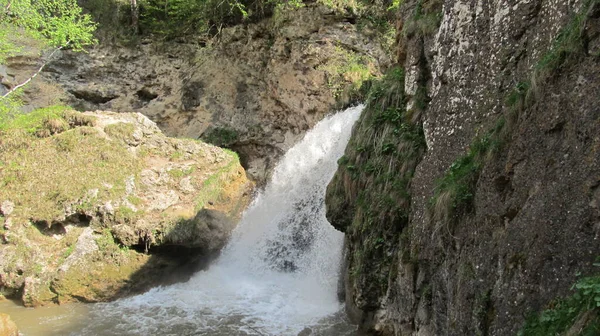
(36, 73)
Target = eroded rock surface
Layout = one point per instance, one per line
(256, 88)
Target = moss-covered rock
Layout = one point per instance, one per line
(82, 193)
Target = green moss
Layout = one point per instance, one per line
(135, 200)
(425, 20)
(221, 136)
(371, 190)
(122, 131)
(43, 175)
(127, 215)
(212, 187)
(582, 308)
(179, 173)
(176, 156)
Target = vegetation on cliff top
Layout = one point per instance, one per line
(43, 168)
(191, 17)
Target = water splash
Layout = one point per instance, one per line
(277, 275)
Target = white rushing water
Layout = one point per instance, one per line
(277, 275)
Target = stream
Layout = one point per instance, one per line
(278, 275)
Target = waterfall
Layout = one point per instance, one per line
(277, 275)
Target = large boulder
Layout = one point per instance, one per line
(93, 191)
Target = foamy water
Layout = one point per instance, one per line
(278, 274)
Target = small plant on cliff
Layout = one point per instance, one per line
(578, 314)
(221, 136)
(456, 189)
(347, 70)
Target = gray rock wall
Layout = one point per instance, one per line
(532, 222)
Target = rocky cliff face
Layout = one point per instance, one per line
(485, 166)
(85, 195)
(256, 88)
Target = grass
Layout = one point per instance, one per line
(578, 314)
(347, 71)
(27, 151)
(371, 190)
(455, 191)
(122, 131)
(179, 173)
(213, 185)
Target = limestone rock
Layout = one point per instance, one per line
(526, 222)
(6, 208)
(257, 90)
(208, 230)
(139, 190)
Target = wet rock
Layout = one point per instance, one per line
(531, 220)
(7, 326)
(208, 230)
(305, 332)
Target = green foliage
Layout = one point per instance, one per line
(182, 17)
(8, 48)
(10, 107)
(581, 308)
(345, 67)
(372, 186)
(426, 18)
(59, 23)
(456, 189)
(46, 121)
(221, 136)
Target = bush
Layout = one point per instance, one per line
(582, 309)
(59, 23)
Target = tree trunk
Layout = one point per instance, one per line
(135, 16)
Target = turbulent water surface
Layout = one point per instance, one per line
(278, 274)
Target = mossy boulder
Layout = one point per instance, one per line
(94, 191)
